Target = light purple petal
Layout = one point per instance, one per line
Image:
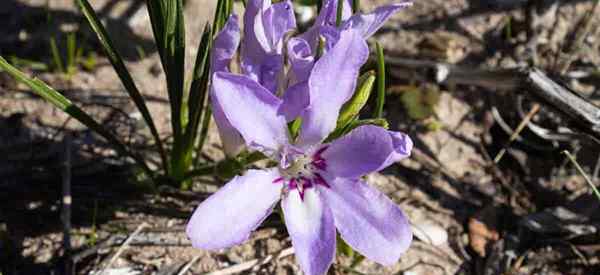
(273, 23)
(262, 47)
(252, 53)
(331, 83)
(310, 225)
(225, 45)
(368, 24)
(368, 221)
(233, 143)
(228, 216)
(251, 109)
(328, 14)
(295, 100)
(326, 17)
(301, 59)
(364, 150)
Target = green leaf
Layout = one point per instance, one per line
(166, 17)
(123, 73)
(294, 127)
(343, 248)
(197, 96)
(200, 77)
(64, 104)
(380, 81)
(351, 108)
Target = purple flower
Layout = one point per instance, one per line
(261, 55)
(262, 52)
(365, 24)
(319, 184)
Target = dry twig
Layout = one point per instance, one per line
(252, 263)
(123, 247)
(583, 114)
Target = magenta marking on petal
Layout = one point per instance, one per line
(320, 164)
(320, 180)
(293, 185)
(317, 155)
(278, 180)
(307, 183)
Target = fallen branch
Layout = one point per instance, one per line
(535, 83)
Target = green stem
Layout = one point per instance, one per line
(380, 82)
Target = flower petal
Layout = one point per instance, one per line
(228, 216)
(225, 45)
(368, 24)
(233, 143)
(262, 47)
(301, 59)
(310, 225)
(295, 100)
(368, 221)
(251, 109)
(272, 24)
(331, 83)
(326, 17)
(366, 149)
(328, 14)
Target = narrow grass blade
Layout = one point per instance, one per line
(61, 102)
(56, 59)
(380, 82)
(197, 96)
(203, 130)
(166, 17)
(199, 86)
(123, 73)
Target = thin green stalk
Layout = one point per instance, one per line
(71, 52)
(585, 176)
(123, 73)
(355, 6)
(380, 82)
(56, 59)
(339, 12)
(64, 104)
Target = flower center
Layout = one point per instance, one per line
(303, 172)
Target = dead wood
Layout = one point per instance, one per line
(532, 82)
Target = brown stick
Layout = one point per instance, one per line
(535, 83)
